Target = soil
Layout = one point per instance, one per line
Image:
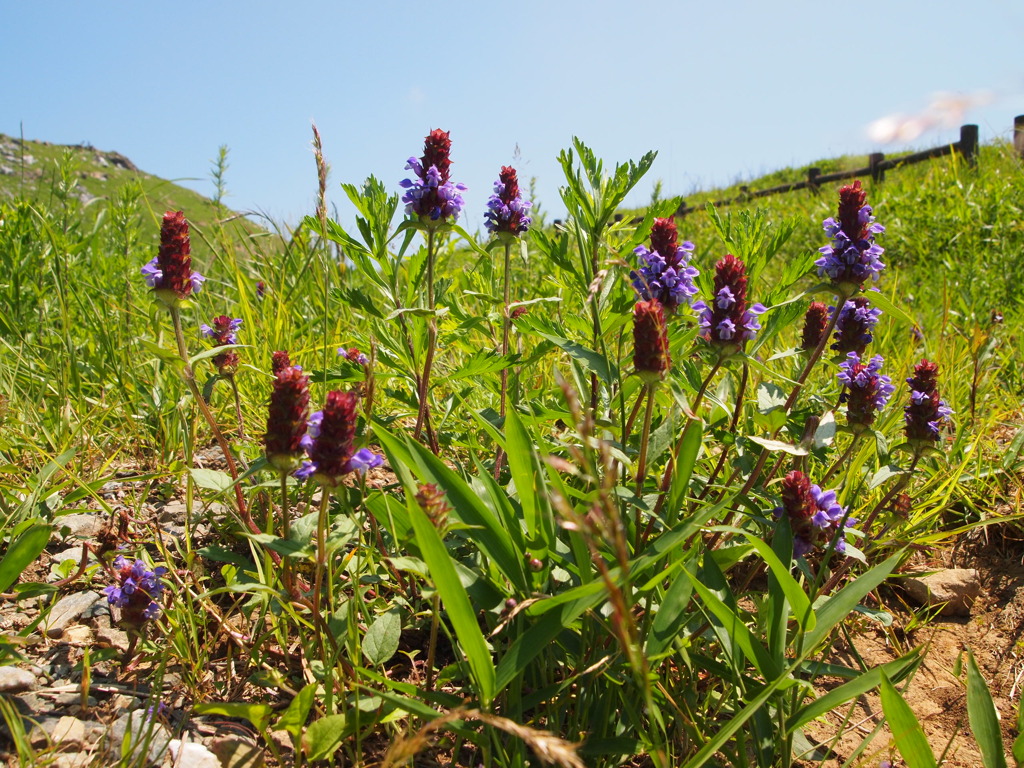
(937, 691)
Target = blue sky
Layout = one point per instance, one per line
(723, 91)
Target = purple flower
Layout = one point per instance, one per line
(135, 591)
(506, 209)
(853, 328)
(925, 411)
(170, 272)
(815, 324)
(665, 273)
(729, 322)
(354, 355)
(853, 255)
(223, 331)
(329, 438)
(865, 390)
(431, 194)
(814, 515)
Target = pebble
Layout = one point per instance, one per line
(16, 679)
(142, 731)
(113, 638)
(67, 610)
(78, 634)
(187, 754)
(82, 525)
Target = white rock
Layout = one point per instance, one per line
(187, 754)
(16, 679)
(67, 610)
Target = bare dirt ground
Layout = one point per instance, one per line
(937, 692)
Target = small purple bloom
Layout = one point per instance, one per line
(364, 459)
(856, 320)
(135, 591)
(665, 273)
(506, 209)
(431, 194)
(729, 321)
(865, 389)
(853, 255)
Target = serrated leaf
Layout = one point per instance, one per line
(381, 640)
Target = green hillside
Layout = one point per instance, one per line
(87, 178)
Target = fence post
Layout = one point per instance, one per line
(681, 210)
(969, 143)
(875, 165)
(1018, 135)
(812, 177)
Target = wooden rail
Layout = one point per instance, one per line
(878, 164)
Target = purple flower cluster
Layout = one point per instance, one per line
(354, 355)
(729, 322)
(925, 411)
(865, 389)
(506, 209)
(330, 434)
(853, 328)
(135, 591)
(814, 515)
(432, 194)
(170, 272)
(665, 273)
(224, 330)
(853, 255)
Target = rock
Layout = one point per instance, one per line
(16, 679)
(187, 754)
(113, 638)
(78, 634)
(67, 610)
(73, 553)
(148, 738)
(234, 753)
(955, 589)
(82, 525)
(68, 731)
(71, 760)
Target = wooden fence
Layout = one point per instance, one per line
(966, 147)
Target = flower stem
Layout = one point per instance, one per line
(432, 648)
(505, 328)
(190, 380)
(641, 466)
(423, 417)
(238, 407)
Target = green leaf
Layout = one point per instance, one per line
(214, 351)
(880, 300)
(685, 457)
(467, 507)
(456, 602)
(769, 397)
(529, 476)
(294, 718)
(381, 640)
(778, 445)
(22, 552)
(984, 720)
(257, 714)
(164, 355)
(906, 730)
(843, 602)
(211, 479)
(323, 737)
(591, 360)
(851, 690)
(798, 600)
